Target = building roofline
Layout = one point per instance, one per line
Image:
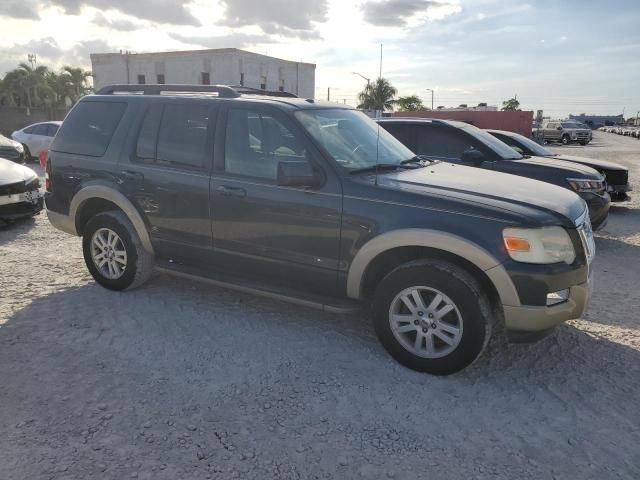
(191, 52)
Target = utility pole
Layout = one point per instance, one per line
(380, 76)
(431, 90)
(328, 94)
(31, 57)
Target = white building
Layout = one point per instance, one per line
(224, 66)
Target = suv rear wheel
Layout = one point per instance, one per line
(114, 253)
(432, 316)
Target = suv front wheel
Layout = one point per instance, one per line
(432, 316)
(114, 253)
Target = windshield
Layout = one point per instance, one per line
(502, 149)
(572, 125)
(353, 139)
(530, 146)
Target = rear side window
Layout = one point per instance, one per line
(89, 128)
(183, 134)
(174, 134)
(53, 128)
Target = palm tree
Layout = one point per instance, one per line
(34, 84)
(76, 79)
(377, 96)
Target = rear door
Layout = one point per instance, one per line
(38, 139)
(289, 236)
(167, 176)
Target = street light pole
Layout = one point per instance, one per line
(430, 90)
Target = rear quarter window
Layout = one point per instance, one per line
(89, 127)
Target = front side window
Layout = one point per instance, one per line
(88, 129)
(524, 145)
(182, 137)
(442, 142)
(352, 139)
(256, 142)
(501, 149)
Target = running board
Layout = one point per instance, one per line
(326, 304)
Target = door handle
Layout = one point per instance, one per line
(226, 191)
(129, 175)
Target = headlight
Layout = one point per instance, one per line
(582, 185)
(18, 146)
(33, 181)
(539, 245)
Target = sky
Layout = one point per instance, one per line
(569, 56)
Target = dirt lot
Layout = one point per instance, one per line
(183, 380)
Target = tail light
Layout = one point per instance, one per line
(47, 172)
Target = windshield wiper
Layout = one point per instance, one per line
(377, 167)
(421, 159)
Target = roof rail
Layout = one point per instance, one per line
(223, 91)
(268, 93)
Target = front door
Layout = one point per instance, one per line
(288, 236)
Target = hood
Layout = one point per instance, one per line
(592, 162)
(572, 169)
(6, 142)
(11, 172)
(512, 193)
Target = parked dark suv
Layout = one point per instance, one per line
(615, 175)
(462, 143)
(315, 203)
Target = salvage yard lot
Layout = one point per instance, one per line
(179, 379)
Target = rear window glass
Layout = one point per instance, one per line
(89, 127)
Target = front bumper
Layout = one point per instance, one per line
(16, 210)
(619, 193)
(529, 319)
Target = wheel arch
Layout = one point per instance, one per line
(385, 252)
(94, 199)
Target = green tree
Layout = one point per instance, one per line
(380, 95)
(76, 82)
(34, 85)
(511, 104)
(411, 103)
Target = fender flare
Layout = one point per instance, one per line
(417, 237)
(114, 196)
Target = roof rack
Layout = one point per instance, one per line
(223, 91)
(268, 93)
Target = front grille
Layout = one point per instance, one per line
(617, 177)
(582, 135)
(13, 188)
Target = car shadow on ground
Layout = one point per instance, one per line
(187, 318)
(12, 229)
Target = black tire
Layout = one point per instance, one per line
(463, 290)
(139, 263)
(566, 140)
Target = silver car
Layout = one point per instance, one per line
(36, 138)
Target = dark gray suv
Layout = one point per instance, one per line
(315, 203)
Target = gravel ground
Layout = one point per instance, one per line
(183, 380)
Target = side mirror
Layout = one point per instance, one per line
(474, 157)
(559, 128)
(297, 174)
